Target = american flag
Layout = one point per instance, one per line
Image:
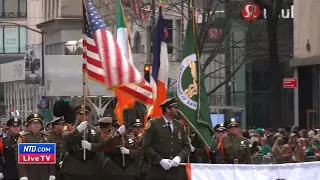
(104, 61)
(137, 8)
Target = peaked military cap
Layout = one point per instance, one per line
(57, 120)
(169, 103)
(231, 123)
(14, 122)
(33, 117)
(219, 127)
(80, 109)
(137, 123)
(105, 120)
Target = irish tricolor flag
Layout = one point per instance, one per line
(123, 33)
(127, 94)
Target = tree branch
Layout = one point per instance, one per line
(227, 79)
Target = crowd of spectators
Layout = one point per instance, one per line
(284, 145)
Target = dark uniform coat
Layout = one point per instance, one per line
(60, 149)
(160, 143)
(129, 170)
(9, 150)
(74, 164)
(234, 150)
(35, 171)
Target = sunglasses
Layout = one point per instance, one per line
(81, 114)
(221, 132)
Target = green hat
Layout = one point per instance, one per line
(260, 131)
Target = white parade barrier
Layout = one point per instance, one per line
(294, 171)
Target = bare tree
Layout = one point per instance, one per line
(273, 8)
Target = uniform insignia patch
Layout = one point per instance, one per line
(93, 132)
(179, 135)
(148, 125)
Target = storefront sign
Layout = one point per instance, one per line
(250, 11)
(290, 83)
(285, 13)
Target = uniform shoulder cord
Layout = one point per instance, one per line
(112, 145)
(69, 127)
(1, 146)
(221, 147)
(208, 152)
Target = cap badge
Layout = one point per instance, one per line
(221, 124)
(35, 115)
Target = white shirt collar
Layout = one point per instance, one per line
(166, 120)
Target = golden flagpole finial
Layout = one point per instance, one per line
(160, 3)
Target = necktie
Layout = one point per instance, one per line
(169, 126)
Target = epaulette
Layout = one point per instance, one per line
(45, 133)
(25, 133)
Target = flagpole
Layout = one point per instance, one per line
(189, 142)
(84, 81)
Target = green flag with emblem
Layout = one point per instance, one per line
(192, 99)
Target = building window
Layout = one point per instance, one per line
(23, 8)
(13, 8)
(13, 39)
(23, 39)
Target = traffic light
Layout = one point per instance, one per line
(147, 70)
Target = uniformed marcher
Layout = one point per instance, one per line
(35, 171)
(113, 165)
(166, 144)
(9, 150)
(105, 125)
(234, 149)
(133, 152)
(58, 126)
(76, 166)
(220, 132)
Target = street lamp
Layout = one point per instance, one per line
(42, 44)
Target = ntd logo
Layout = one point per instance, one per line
(37, 153)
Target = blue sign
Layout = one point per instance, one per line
(37, 153)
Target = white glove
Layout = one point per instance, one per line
(52, 177)
(1, 176)
(24, 178)
(60, 164)
(82, 126)
(166, 164)
(189, 140)
(176, 161)
(124, 150)
(192, 148)
(121, 129)
(86, 145)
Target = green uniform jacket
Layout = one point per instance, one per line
(35, 171)
(236, 150)
(73, 162)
